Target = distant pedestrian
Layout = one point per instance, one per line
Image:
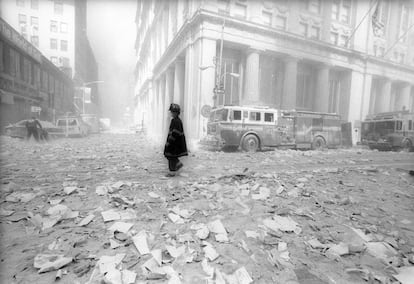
(34, 128)
(175, 146)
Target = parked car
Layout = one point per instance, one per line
(18, 130)
(72, 126)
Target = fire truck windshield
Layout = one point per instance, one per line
(385, 127)
(219, 115)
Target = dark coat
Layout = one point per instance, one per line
(176, 145)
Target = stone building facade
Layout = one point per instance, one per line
(28, 81)
(311, 54)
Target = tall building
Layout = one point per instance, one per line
(29, 83)
(58, 29)
(344, 56)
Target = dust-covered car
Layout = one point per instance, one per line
(72, 126)
(19, 130)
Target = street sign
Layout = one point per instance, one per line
(87, 97)
(35, 109)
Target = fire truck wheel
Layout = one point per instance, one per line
(318, 143)
(250, 143)
(407, 146)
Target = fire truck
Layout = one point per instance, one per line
(389, 131)
(253, 128)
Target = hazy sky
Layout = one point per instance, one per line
(111, 32)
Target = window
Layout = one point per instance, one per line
(34, 40)
(23, 24)
(240, 10)
(303, 29)
(346, 11)
(34, 24)
(20, 3)
(58, 7)
(343, 40)
(223, 6)
(267, 18)
(410, 125)
(63, 28)
(34, 4)
(314, 6)
(334, 38)
(64, 45)
(403, 22)
(54, 60)
(314, 32)
(254, 116)
(236, 115)
(341, 11)
(64, 61)
(268, 117)
(53, 43)
(53, 26)
(335, 10)
(280, 22)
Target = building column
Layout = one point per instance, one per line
(206, 82)
(252, 91)
(403, 98)
(169, 94)
(385, 96)
(157, 109)
(179, 73)
(321, 102)
(289, 84)
(161, 111)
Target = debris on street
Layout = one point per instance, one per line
(338, 216)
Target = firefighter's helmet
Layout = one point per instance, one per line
(174, 108)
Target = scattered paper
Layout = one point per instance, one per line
(216, 227)
(110, 215)
(101, 190)
(69, 189)
(210, 252)
(338, 250)
(242, 276)
(85, 221)
(20, 197)
(175, 252)
(175, 218)
(380, 250)
(121, 227)
(263, 194)
(128, 277)
(50, 262)
(281, 223)
(252, 234)
(107, 263)
(55, 201)
(202, 231)
(157, 255)
(4, 212)
(114, 244)
(153, 194)
(405, 275)
(140, 242)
